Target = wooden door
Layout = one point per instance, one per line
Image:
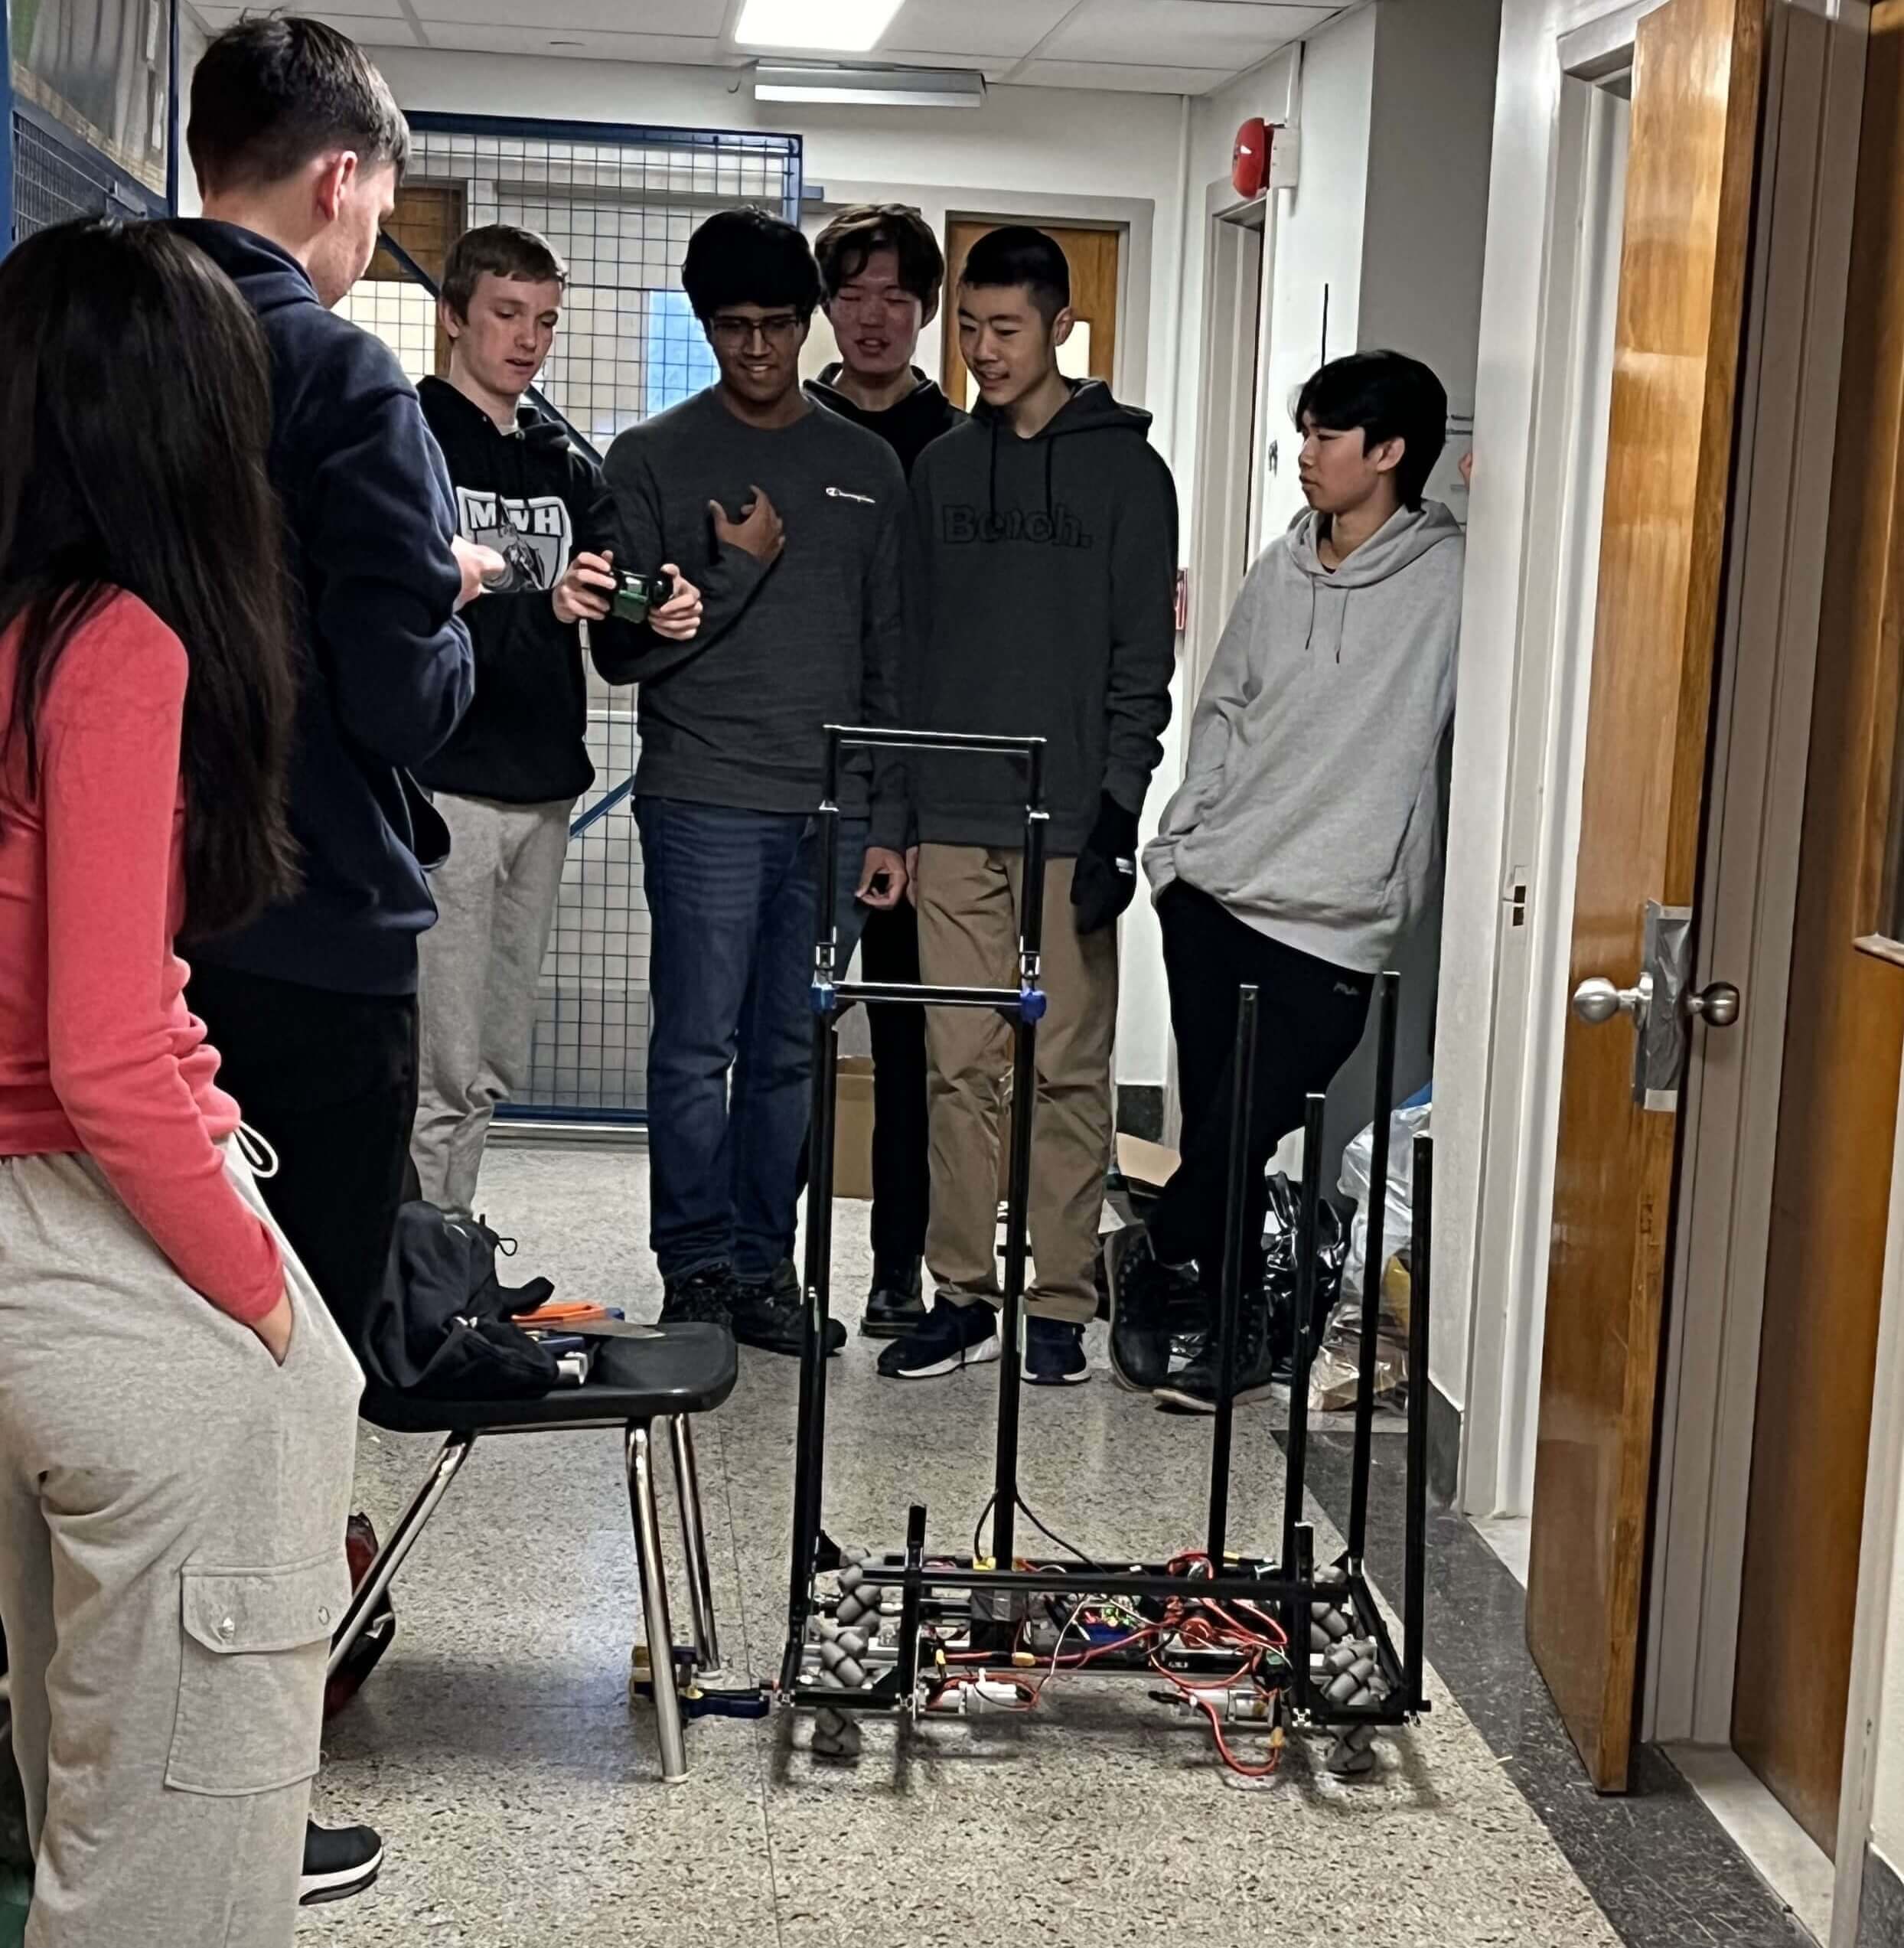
(427, 220)
(1677, 337)
(1844, 1034)
(1093, 256)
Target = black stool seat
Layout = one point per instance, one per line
(686, 1369)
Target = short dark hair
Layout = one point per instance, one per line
(1387, 396)
(748, 257)
(500, 250)
(275, 91)
(1019, 255)
(846, 246)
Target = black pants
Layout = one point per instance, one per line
(901, 1178)
(1310, 1016)
(329, 1081)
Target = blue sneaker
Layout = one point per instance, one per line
(1053, 1354)
(951, 1336)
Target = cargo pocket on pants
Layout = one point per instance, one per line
(254, 1646)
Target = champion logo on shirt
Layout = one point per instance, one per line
(840, 493)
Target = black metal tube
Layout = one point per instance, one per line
(1374, 1263)
(1296, 1450)
(869, 737)
(1414, 1607)
(918, 995)
(1229, 1295)
(1011, 1313)
(1088, 1579)
(915, 1591)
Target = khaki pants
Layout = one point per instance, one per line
(172, 1506)
(479, 965)
(968, 937)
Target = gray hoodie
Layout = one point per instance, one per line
(1310, 806)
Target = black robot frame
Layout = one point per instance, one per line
(985, 1599)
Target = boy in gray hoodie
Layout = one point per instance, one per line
(1302, 845)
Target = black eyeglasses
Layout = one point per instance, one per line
(736, 334)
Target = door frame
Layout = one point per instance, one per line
(1749, 891)
(1226, 217)
(1516, 1196)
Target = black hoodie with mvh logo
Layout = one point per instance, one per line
(531, 494)
(1044, 606)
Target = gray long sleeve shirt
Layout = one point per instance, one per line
(735, 716)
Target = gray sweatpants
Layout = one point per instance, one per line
(496, 899)
(172, 1508)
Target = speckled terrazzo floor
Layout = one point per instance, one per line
(520, 1802)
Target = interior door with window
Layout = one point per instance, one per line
(1679, 324)
(1093, 256)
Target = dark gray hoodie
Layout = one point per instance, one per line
(1044, 606)
(1310, 805)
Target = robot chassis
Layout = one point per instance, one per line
(880, 1633)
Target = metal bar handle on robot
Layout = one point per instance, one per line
(1375, 1265)
(1230, 1299)
(1414, 1607)
(1297, 1464)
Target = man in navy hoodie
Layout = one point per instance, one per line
(298, 145)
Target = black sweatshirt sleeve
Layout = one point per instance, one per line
(633, 515)
(376, 525)
(1143, 569)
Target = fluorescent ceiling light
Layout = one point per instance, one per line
(845, 27)
(869, 87)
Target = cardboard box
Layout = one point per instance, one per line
(852, 1128)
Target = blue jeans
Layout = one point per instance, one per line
(732, 896)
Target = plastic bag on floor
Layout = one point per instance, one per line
(1408, 1122)
(1334, 1377)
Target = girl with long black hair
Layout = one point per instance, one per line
(176, 1409)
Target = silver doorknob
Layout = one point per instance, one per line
(1597, 999)
(1716, 1005)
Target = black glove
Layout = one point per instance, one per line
(1104, 881)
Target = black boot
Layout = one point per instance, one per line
(1150, 1302)
(894, 1306)
(1194, 1390)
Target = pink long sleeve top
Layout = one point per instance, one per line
(98, 1054)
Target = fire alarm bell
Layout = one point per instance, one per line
(1249, 160)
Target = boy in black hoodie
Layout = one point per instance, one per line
(507, 780)
(883, 271)
(1047, 527)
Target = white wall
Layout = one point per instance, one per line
(191, 44)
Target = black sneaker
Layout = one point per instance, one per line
(948, 1337)
(1053, 1354)
(1193, 1390)
(701, 1298)
(894, 1307)
(1148, 1301)
(339, 1861)
(774, 1320)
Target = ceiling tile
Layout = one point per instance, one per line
(1132, 79)
(972, 31)
(658, 18)
(1227, 34)
(579, 43)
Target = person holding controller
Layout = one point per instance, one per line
(507, 781)
(788, 520)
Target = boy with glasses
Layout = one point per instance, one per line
(789, 521)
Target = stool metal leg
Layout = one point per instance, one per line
(654, 1603)
(401, 1541)
(700, 1585)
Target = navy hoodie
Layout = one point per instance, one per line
(531, 494)
(385, 668)
(1045, 607)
